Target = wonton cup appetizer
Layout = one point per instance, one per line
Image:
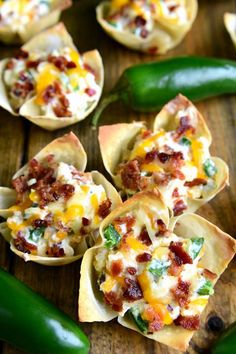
(174, 157)
(155, 274)
(49, 82)
(151, 26)
(230, 24)
(55, 209)
(21, 20)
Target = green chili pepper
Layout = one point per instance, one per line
(36, 234)
(140, 323)
(34, 325)
(195, 247)
(206, 288)
(209, 168)
(147, 87)
(185, 141)
(157, 267)
(112, 236)
(226, 343)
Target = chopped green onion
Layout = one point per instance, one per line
(185, 141)
(209, 168)
(36, 234)
(195, 247)
(140, 323)
(112, 236)
(206, 288)
(158, 268)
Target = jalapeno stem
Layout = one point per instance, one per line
(112, 97)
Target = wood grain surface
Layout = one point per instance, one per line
(20, 140)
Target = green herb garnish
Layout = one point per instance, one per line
(157, 267)
(195, 247)
(112, 236)
(36, 234)
(140, 323)
(209, 168)
(206, 288)
(185, 141)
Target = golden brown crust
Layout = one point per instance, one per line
(66, 149)
(164, 37)
(219, 250)
(51, 39)
(9, 36)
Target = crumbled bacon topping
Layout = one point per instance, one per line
(61, 62)
(22, 54)
(85, 221)
(132, 290)
(196, 182)
(131, 175)
(20, 184)
(22, 245)
(116, 267)
(181, 256)
(175, 193)
(131, 270)
(143, 257)
(37, 223)
(181, 292)
(179, 207)
(111, 298)
(162, 229)
(155, 323)
(144, 237)
(161, 178)
(90, 92)
(55, 251)
(129, 221)
(104, 208)
(183, 127)
(190, 323)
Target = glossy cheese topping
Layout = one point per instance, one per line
(18, 14)
(140, 17)
(57, 208)
(62, 84)
(177, 161)
(152, 275)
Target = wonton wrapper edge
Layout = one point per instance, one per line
(230, 24)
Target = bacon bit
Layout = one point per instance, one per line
(131, 175)
(116, 268)
(85, 221)
(161, 178)
(48, 93)
(172, 7)
(22, 245)
(60, 62)
(66, 190)
(175, 193)
(62, 227)
(179, 207)
(10, 64)
(143, 257)
(190, 323)
(22, 89)
(176, 265)
(208, 274)
(104, 208)
(90, 92)
(163, 157)
(146, 133)
(61, 109)
(181, 292)
(22, 54)
(83, 231)
(162, 229)
(33, 64)
(155, 322)
(178, 174)
(55, 251)
(71, 65)
(133, 291)
(140, 21)
(50, 158)
(184, 127)
(144, 33)
(128, 220)
(144, 237)
(182, 256)
(153, 50)
(131, 270)
(20, 184)
(196, 182)
(37, 223)
(111, 298)
(151, 155)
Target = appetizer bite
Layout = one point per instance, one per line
(21, 20)
(230, 24)
(155, 274)
(151, 26)
(49, 82)
(174, 157)
(55, 208)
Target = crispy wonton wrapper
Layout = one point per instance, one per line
(220, 249)
(51, 39)
(10, 36)
(230, 24)
(117, 138)
(164, 37)
(66, 149)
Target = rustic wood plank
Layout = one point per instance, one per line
(20, 140)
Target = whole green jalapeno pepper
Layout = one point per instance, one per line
(34, 325)
(147, 87)
(226, 343)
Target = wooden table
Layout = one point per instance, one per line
(20, 140)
